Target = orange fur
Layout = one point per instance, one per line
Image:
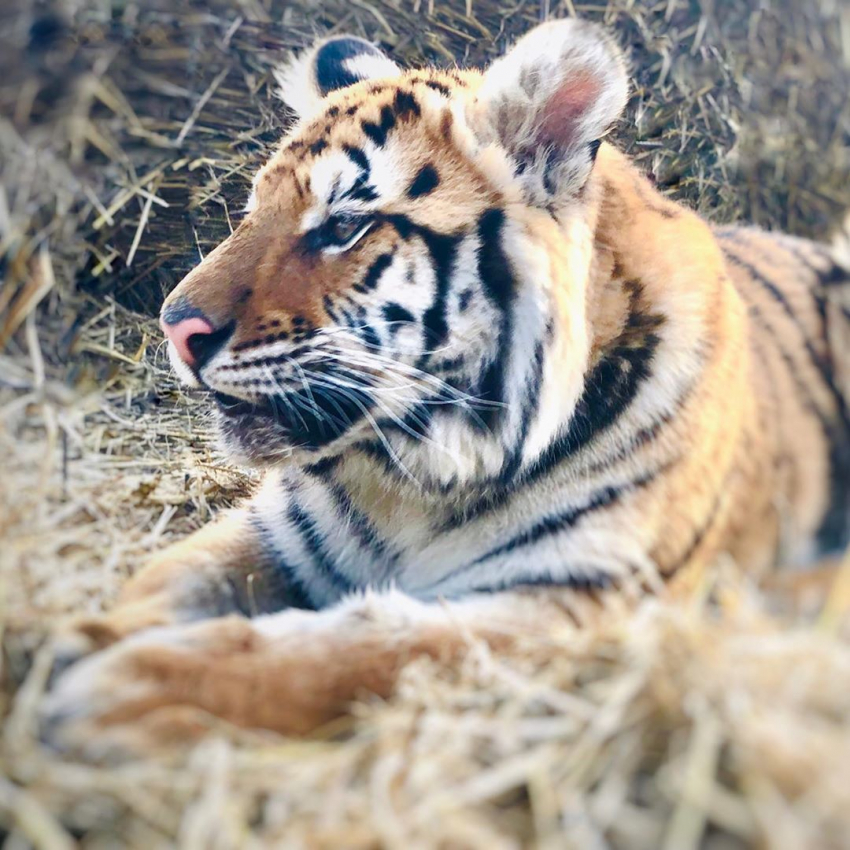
(744, 458)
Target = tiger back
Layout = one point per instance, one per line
(797, 296)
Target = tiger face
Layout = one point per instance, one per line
(412, 258)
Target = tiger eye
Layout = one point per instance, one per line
(341, 229)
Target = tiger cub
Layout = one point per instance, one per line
(476, 352)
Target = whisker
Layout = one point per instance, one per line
(329, 382)
(294, 364)
(390, 451)
(366, 359)
(466, 402)
(282, 396)
(323, 416)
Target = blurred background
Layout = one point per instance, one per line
(129, 132)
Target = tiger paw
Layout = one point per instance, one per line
(145, 693)
(82, 636)
(79, 638)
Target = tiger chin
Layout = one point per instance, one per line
(488, 370)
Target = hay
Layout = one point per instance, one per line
(127, 140)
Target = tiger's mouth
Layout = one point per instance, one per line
(232, 406)
(311, 416)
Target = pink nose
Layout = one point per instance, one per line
(180, 334)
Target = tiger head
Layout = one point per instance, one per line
(412, 262)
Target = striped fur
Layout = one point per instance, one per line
(475, 350)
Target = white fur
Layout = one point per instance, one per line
(296, 83)
(562, 387)
(296, 78)
(369, 66)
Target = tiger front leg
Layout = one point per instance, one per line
(288, 672)
(223, 568)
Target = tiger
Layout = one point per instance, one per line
(487, 371)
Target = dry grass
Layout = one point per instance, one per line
(126, 144)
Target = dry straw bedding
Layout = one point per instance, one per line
(127, 137)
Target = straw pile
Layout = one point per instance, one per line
(128, 134)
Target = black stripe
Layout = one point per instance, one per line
(702, 532)
(530, 403)
(837, 275)
(494, 267)
(414, 425)
(425, 182)
(378, 132)
(794, 246)
(443, 249)
(359, 158)
(356, 521)
(451, 364)
(375, 450)
(324, 467)
(589, 580)
(403, 225)
(654, 200)
(609, 389)
(833, 535)
(821, 305)
(351, 516)
(362, 191)
(313, 540)
(270, 360)
(820, 364)
(348, 318)
(394, 312)
(496, 274)
(365, 330)
(373, 275)
(418, 419)
(557, 523)
(405, 104)
(784, 458)
(645, 435)
(327, 303)
(289, 591)
(834, 532)
(439, 87)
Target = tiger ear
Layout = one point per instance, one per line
(327, 66)
(550, 99)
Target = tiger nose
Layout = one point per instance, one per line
(194, 338)
(189, 338)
